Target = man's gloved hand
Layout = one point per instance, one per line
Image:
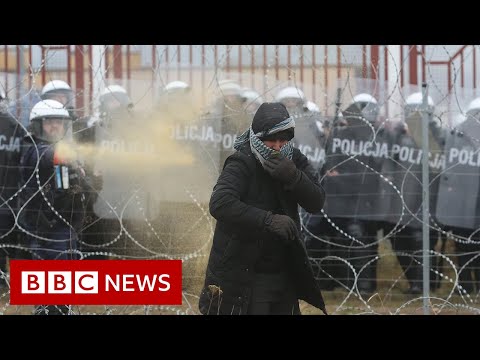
(282, 226)
(282, 169)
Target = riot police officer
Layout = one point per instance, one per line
(52, 201)
(11, 133)
(458, 206)
(310, 138)
(404, 209)
(355, 153)
(227, 117)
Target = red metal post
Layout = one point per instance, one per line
(190, 57)
(374, 58)
(167, 63)
(19, 81)
(129, 70)
(474, 68)
(203, 75)
(79, 81)
(289, 62)
(30, 72)
(385, 60)
(424, 64)
(413, 61)
(400, 67)
(228, 59)
(154, 70)
(5, 50)
(107, 62)
(252, 67)
(449, 76)
(462, 71)
(44, 61)
(264, 67)
(325, 70)
(90, 78)
(69, 65)
(301, 64)
(117, 62)
(240, 64)
(313, 75)
(339, 61)
(364, 61)
(276, 62)
(179, 61)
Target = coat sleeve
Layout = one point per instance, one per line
(225, 202)
(307, 190)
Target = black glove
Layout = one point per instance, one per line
(282, 226)
(282, 169)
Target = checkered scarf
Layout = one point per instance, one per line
(259, 149)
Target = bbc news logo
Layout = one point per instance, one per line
(59, 282)
(96, 282)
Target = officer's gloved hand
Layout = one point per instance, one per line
(282, 169)
(282, 226)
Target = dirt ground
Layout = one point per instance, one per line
(389, 299)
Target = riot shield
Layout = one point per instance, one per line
(126, 157)
(355, 154)
(203, 142)
(458, 204)
(310, 138)
(404, 169)
(232, 121)
(11, 134)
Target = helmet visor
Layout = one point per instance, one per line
(52, 129)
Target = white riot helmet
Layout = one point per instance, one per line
(473, 110)
(3, 100)
(176, 86)
(312, 107)
(367, 105)
(251, 100)
(457, 120)
(291, 97)
(50, 121)
(414, 102)
(172, 92)
(60, 91)
(229, 88)
(474, 105)
(114, 100)
(175, 97)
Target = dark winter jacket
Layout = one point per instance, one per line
(240, 201)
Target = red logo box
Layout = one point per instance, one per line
(96, 282)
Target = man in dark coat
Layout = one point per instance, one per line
(258, 264)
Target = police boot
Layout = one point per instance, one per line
(338, 269)
(465, 279)
(416, 286)
(414, 273)
(366, 282)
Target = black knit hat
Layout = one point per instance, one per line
(268, 115)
